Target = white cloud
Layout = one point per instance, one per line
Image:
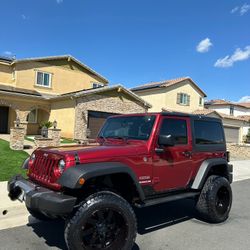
(241, 9)
(238, 55)
(245, 99)
(234, 9)
(24, 17)
(59, 1)
(244, 9)
(8, 53)
(204, 45)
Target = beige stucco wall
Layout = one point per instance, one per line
(66, 77)
(6, 74)
(64, 113)
(167, 97)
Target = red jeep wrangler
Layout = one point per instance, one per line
(141, 160)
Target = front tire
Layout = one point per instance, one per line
(215, 200)
(103, 221)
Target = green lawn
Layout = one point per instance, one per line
(10, 161)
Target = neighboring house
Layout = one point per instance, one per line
(237, 117)
(60, 88)
(181, 94)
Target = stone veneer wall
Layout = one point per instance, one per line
(17, 138)
(44, 142)
(55, 135)
(238, 151)
(102, 103)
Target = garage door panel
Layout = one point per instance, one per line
(96, 120)
(232, 134)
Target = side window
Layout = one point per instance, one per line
(207, 132)
(175, 127)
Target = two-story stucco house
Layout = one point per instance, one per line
(181, 94)
(184, 95)
(60, 88)
(237, 113)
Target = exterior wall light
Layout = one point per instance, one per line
(55, 124)
(18, 122)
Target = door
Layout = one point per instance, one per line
(232, 134)
(4, 115)
(173, 166)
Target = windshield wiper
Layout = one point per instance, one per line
(124, 138)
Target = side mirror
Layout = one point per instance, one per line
(166, 140)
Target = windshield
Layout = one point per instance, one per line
(128, 127)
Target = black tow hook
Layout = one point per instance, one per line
(14, 193)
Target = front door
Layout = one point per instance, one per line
(4, 113)
(173, 166)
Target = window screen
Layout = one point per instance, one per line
(176, 128)
(208, 132)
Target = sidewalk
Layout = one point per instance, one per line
(18, 215)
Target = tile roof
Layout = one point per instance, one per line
(67, 57)
(222, 115)
(165, 83)
(245, 117)
(225, 102)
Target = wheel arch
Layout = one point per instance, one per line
(96, 171)
(215, 166)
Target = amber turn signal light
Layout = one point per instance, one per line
(81, 181)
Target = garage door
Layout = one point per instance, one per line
(232, 134)
(95, 122)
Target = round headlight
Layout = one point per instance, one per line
(33, 157)
(61, 165)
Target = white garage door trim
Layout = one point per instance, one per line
(232, 134)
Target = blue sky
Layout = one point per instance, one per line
(137, 41)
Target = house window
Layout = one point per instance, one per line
(97, 85)
(183, 99)
(231, 110)
(43, 79)
(200, 101)
(32, 116)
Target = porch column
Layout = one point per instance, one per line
(17, 138)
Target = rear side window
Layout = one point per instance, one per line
(175, 127)
(208, 132)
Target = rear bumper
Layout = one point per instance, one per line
(39, 198)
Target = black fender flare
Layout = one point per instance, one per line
(70, 178)
(206, 166)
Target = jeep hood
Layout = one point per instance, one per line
(104, 152)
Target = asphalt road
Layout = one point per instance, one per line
(169, 226)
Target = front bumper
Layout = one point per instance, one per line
(39, 198)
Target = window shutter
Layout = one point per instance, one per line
(188, 100)
(178, 98)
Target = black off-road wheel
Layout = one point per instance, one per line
(38, 215)
(215, 200)
(103, 221)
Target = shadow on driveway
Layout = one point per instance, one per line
(149, 219)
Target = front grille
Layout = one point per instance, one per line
(43, 169)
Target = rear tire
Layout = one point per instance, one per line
(103, 221)
(215, 200)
